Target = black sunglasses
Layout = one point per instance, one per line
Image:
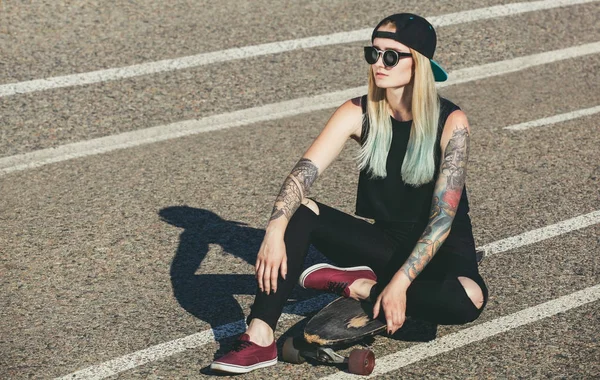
(390, 57)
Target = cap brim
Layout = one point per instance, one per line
(439, 74)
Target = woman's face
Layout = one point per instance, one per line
(392, 77)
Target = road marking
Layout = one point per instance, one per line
(269, 48)
(554, 119)
(521, 63)
(163, 350)
(264, 113)
(543, 233)
(170, 348)
(479, 332)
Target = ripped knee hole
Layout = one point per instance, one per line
(473, 291)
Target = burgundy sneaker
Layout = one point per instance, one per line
(246, 356)
(334, 279)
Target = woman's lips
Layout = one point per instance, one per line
(380, 75)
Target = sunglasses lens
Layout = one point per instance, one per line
(390, 58)
(371, 55)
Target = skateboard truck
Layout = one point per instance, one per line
(359, 362)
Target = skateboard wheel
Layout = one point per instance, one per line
(290, 353)
(361, 362)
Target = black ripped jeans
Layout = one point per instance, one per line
(436, 295)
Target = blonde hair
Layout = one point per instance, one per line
(418, 167)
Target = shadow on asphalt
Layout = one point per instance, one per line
(210, 297)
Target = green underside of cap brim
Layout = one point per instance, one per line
(439, 74)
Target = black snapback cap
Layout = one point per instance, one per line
(416, 33)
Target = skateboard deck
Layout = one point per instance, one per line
(344, 320)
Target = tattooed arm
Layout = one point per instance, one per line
(346, 122)
(271, 259)
(294, 189)
(446, 196)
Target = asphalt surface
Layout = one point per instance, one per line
(106, 255)
(83, 112)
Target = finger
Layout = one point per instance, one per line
(389, 319)
(267, 279)
(259, 264)
(391, 329)
(274, 273)
(393, 318)
(259, 276)
(376, 308)
(402, 320)
(284, 268)
(397, 323)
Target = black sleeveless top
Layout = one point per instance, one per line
(390, 199)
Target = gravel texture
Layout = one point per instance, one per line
(110, 254)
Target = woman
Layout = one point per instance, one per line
(418, 258)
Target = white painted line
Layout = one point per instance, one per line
(499, 11)
(543, 233)
(167, 349)
(180, 129)
(268, 112)
(554, 119)
(521, 63)
(479, 332)
(269, 48)
(163, 350)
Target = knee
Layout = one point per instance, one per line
(473, 291)
(311, 205)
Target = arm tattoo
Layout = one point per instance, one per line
(446, 196)
(294, 189)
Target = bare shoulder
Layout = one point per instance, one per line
(456, 122)
(343, 124)
(350, 110)
(457, 119)
(350, 115)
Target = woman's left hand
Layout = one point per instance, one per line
(393, 301)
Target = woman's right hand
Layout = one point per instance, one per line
(270, 261)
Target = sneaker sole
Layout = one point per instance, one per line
(232, 368)
(315, 267)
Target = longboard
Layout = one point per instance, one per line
(343, 321)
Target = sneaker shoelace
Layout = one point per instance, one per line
(240, 345)
(337, 287)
